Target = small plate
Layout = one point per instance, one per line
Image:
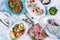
(50, 7)
(49, 32)
(54, 4)
(30, 9)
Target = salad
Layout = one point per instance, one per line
(17, 31)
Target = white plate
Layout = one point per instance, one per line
(50, 34)
(33, 14)
(20, 36)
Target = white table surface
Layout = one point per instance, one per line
(3, 35)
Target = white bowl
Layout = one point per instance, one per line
(21, 35)
(53, 5)
(38, 4)
(48, 32)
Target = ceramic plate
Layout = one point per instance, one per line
(56, 28)
(21, 35)
(31, 9)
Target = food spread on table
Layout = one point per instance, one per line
(34, 11)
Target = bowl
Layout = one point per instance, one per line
(51, 29)
(55, 8)
(25, 32)
(11, 12)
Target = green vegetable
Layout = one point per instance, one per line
(12, 6)
(21, 31)
(53, 10)
(14, 29)
(33, 38)
(14, 38)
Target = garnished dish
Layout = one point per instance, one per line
(37, 33)
(53, 10)
(15, 5)
(53, 27)
(46, 2)
(35, 9)
(17, 31)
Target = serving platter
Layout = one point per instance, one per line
(31, 10)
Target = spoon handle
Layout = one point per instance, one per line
(29, 18)
(3, 23)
